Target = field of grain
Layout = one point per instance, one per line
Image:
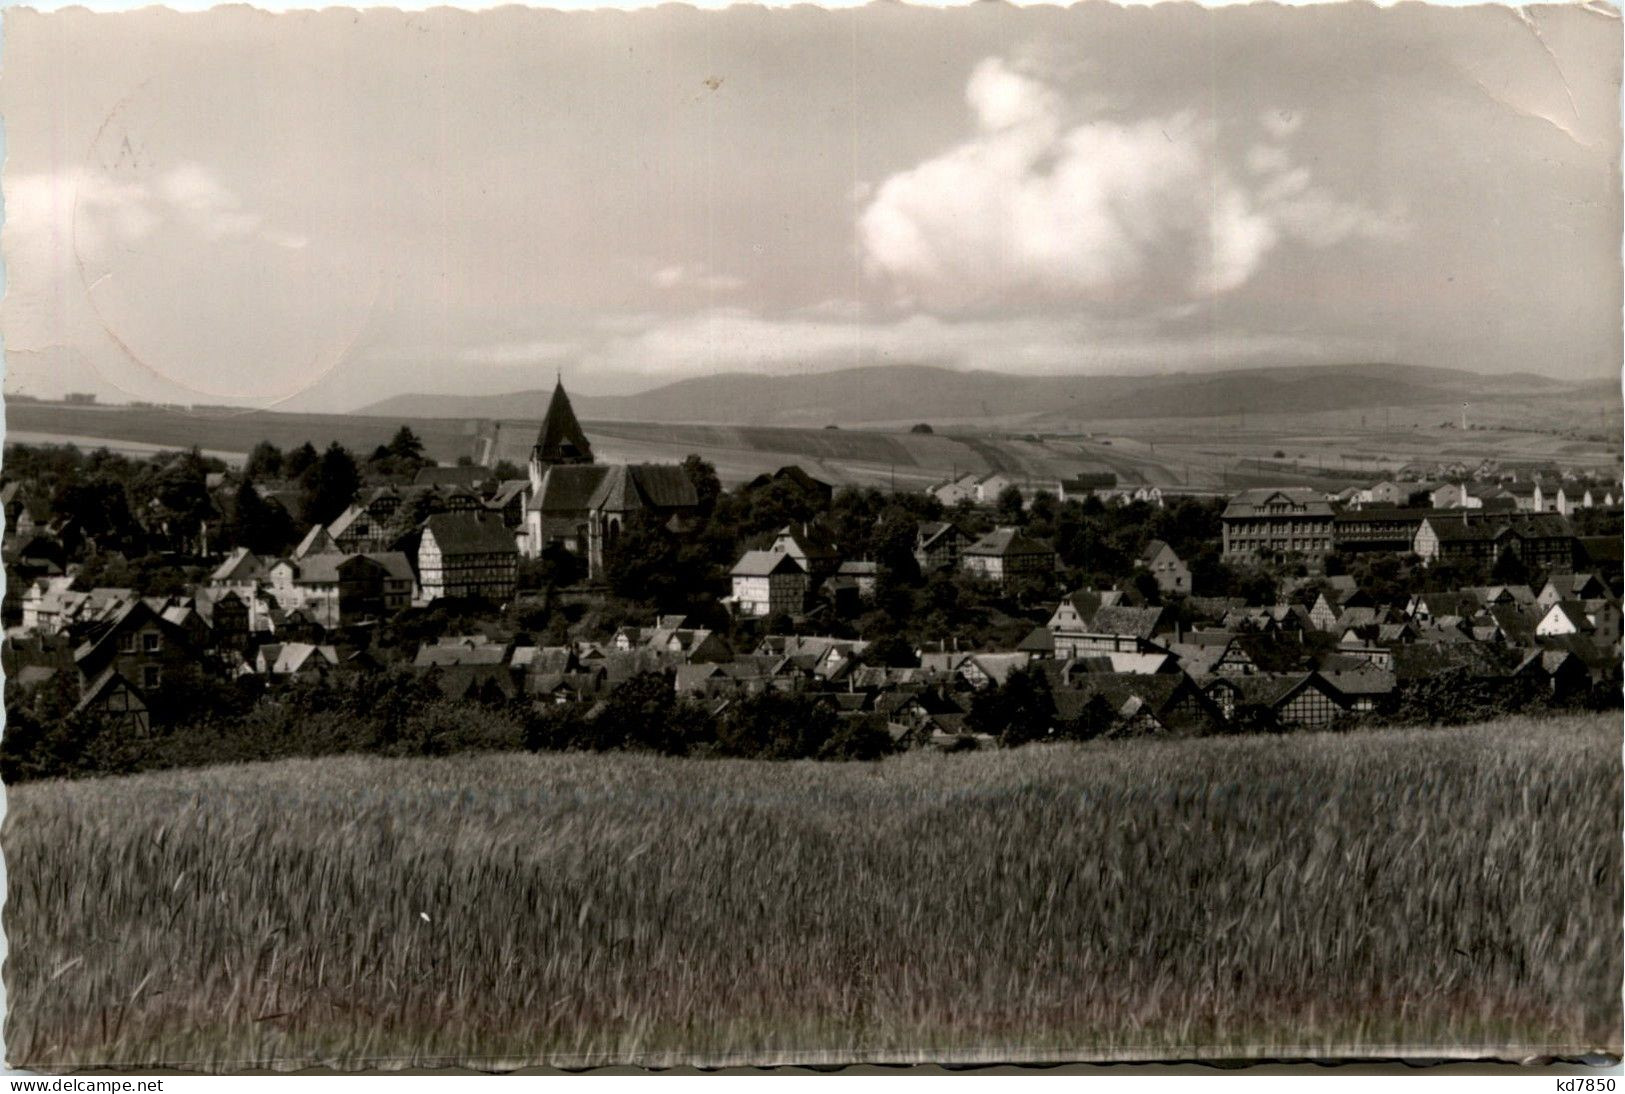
(1437, 893)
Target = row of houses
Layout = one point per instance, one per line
(984, 489)
(1535, 495)
(1280, 521)
(782, 575)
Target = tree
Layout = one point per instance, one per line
(1011, 506)
(922, 427)
(892, 651)
(1509, 569)
(261, 527)
(641, 563)
(406, 446)
(776, 726)
(296, 462)
(641, 714)
(264, 462)
(330, 485)
(862, 738)
(1018, 711)
(101, 510)
(703, 474)
(1096, 719)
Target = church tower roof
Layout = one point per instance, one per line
(561, 440)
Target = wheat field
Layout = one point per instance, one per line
(1435, 892)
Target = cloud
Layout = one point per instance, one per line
(1043, 205)
(695, 275)
(51, 216)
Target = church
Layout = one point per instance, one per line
(581, 505)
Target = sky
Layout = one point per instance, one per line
(318, 210)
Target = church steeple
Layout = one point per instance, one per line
(560, 440)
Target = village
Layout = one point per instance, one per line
(988, 610)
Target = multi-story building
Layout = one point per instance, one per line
(769, 582)
(937, 544)
(1377, 528)
(1006, 555)
(467, 555)
(1277, 521)
(1542, 541)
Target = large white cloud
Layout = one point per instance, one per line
(1043, 203)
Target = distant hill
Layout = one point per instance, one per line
(902, 393)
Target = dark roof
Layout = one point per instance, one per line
(792, 473)
(318, 569)
(468, 534)
(1154, 690)
(1038, 640)
(1405, 513)
(1518, 623)
(1268, 689)
(1155, 548)
(561, 439)
(619, 487)
(1360, 682)
(1451, 603)
(395, 563)
(1456, 528)
(1422, 659)
(1603, 549)
(1008, 541)
(506, 492)
(569, 488)
(1137, 622)
(1304, 501)
(450, 476)
(932, 530)
(102, 685)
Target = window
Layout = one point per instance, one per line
(149, 642)
(150, 676)
(126, 643)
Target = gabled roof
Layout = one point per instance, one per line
(765, 564)
(1128, 694)
(468, 475)
(1360, 682)
(1123, 620)
(1576, 586)
(931, 531)
(395, 564)
(1422, 659)
(506, 492)
(1039, 640)
(470, 534)
(1153, 549)
(241, 565)
(489, 654)
(1005, 542)
(318, 569)
(998, 666)
(103, 685)
(1304, 502)
(316, 540)
(342, 522)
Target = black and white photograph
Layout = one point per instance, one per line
(812, 537)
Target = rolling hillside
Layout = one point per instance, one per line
(899, 394)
